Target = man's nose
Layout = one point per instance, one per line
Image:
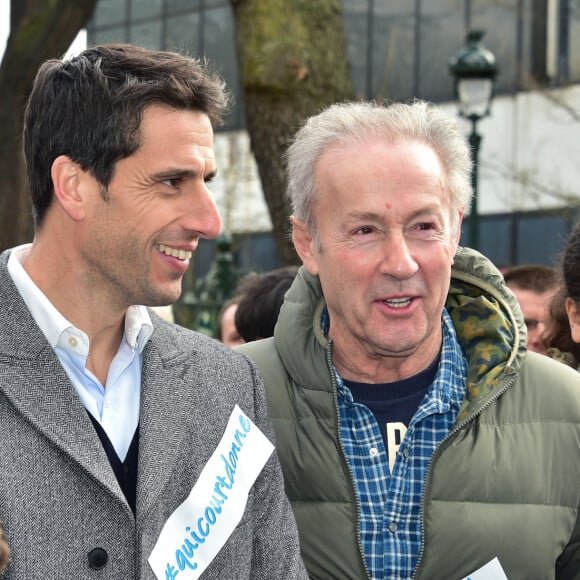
(398, 259)
(202, 215)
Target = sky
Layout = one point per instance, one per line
(78, 44)
(4, 24)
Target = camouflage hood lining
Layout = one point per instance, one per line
(486, 334)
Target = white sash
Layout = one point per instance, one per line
(196, 531)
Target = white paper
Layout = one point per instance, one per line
(196, 531)
(491, 571)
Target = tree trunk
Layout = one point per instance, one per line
(39, 29)
(293, 62)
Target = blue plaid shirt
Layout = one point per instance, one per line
(390, 503)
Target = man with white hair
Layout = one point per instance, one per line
(418, 437)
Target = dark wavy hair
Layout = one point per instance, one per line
(261, 297)
(558, 338)
(89, 108)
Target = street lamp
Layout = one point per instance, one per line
(474, 72)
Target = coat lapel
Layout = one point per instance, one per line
(166, 418)
(34, 381)
(48, 401)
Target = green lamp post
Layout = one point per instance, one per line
(474, 71)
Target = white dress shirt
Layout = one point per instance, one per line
(114, 405)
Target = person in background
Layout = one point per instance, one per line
(4, 551)
(534, 285)
(253, 310)
(131, 447)
(227, 331)
(418, 436)
(261, 296)
(563, 327)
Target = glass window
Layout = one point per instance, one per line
(182, 5)
(147, 34)
(441, 35)
(574, 41)
(393, 50)
(215, 3)
(257, 249)
(540, 238)
(219, 48)
(109, 12)
(218, 40)
(499, 20)
(183, 34)
(356, 31)
(397, 49)
(116, 34)
(495, 234)
(146, 9)
(523, 55)
(380, 42)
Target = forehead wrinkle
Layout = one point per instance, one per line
(426, 210)
(364, 215)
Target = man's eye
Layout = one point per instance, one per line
(172, 182)
(425, 227)
(364, 230)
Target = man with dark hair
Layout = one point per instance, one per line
(562, 336)
(534, 285)
(226, 330)
(131, 447)
(260, 298)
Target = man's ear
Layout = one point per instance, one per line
(573, 312)
(305, 245)
(67, 179)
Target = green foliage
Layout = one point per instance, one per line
(199, 308)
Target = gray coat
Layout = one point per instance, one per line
(59, 498)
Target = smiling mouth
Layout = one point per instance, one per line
(174, 252)
(398, 302)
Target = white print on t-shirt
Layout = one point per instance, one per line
(395, 434)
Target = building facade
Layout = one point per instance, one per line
(529, 161)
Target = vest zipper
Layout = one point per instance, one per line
(328, 350)
(438, 452)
